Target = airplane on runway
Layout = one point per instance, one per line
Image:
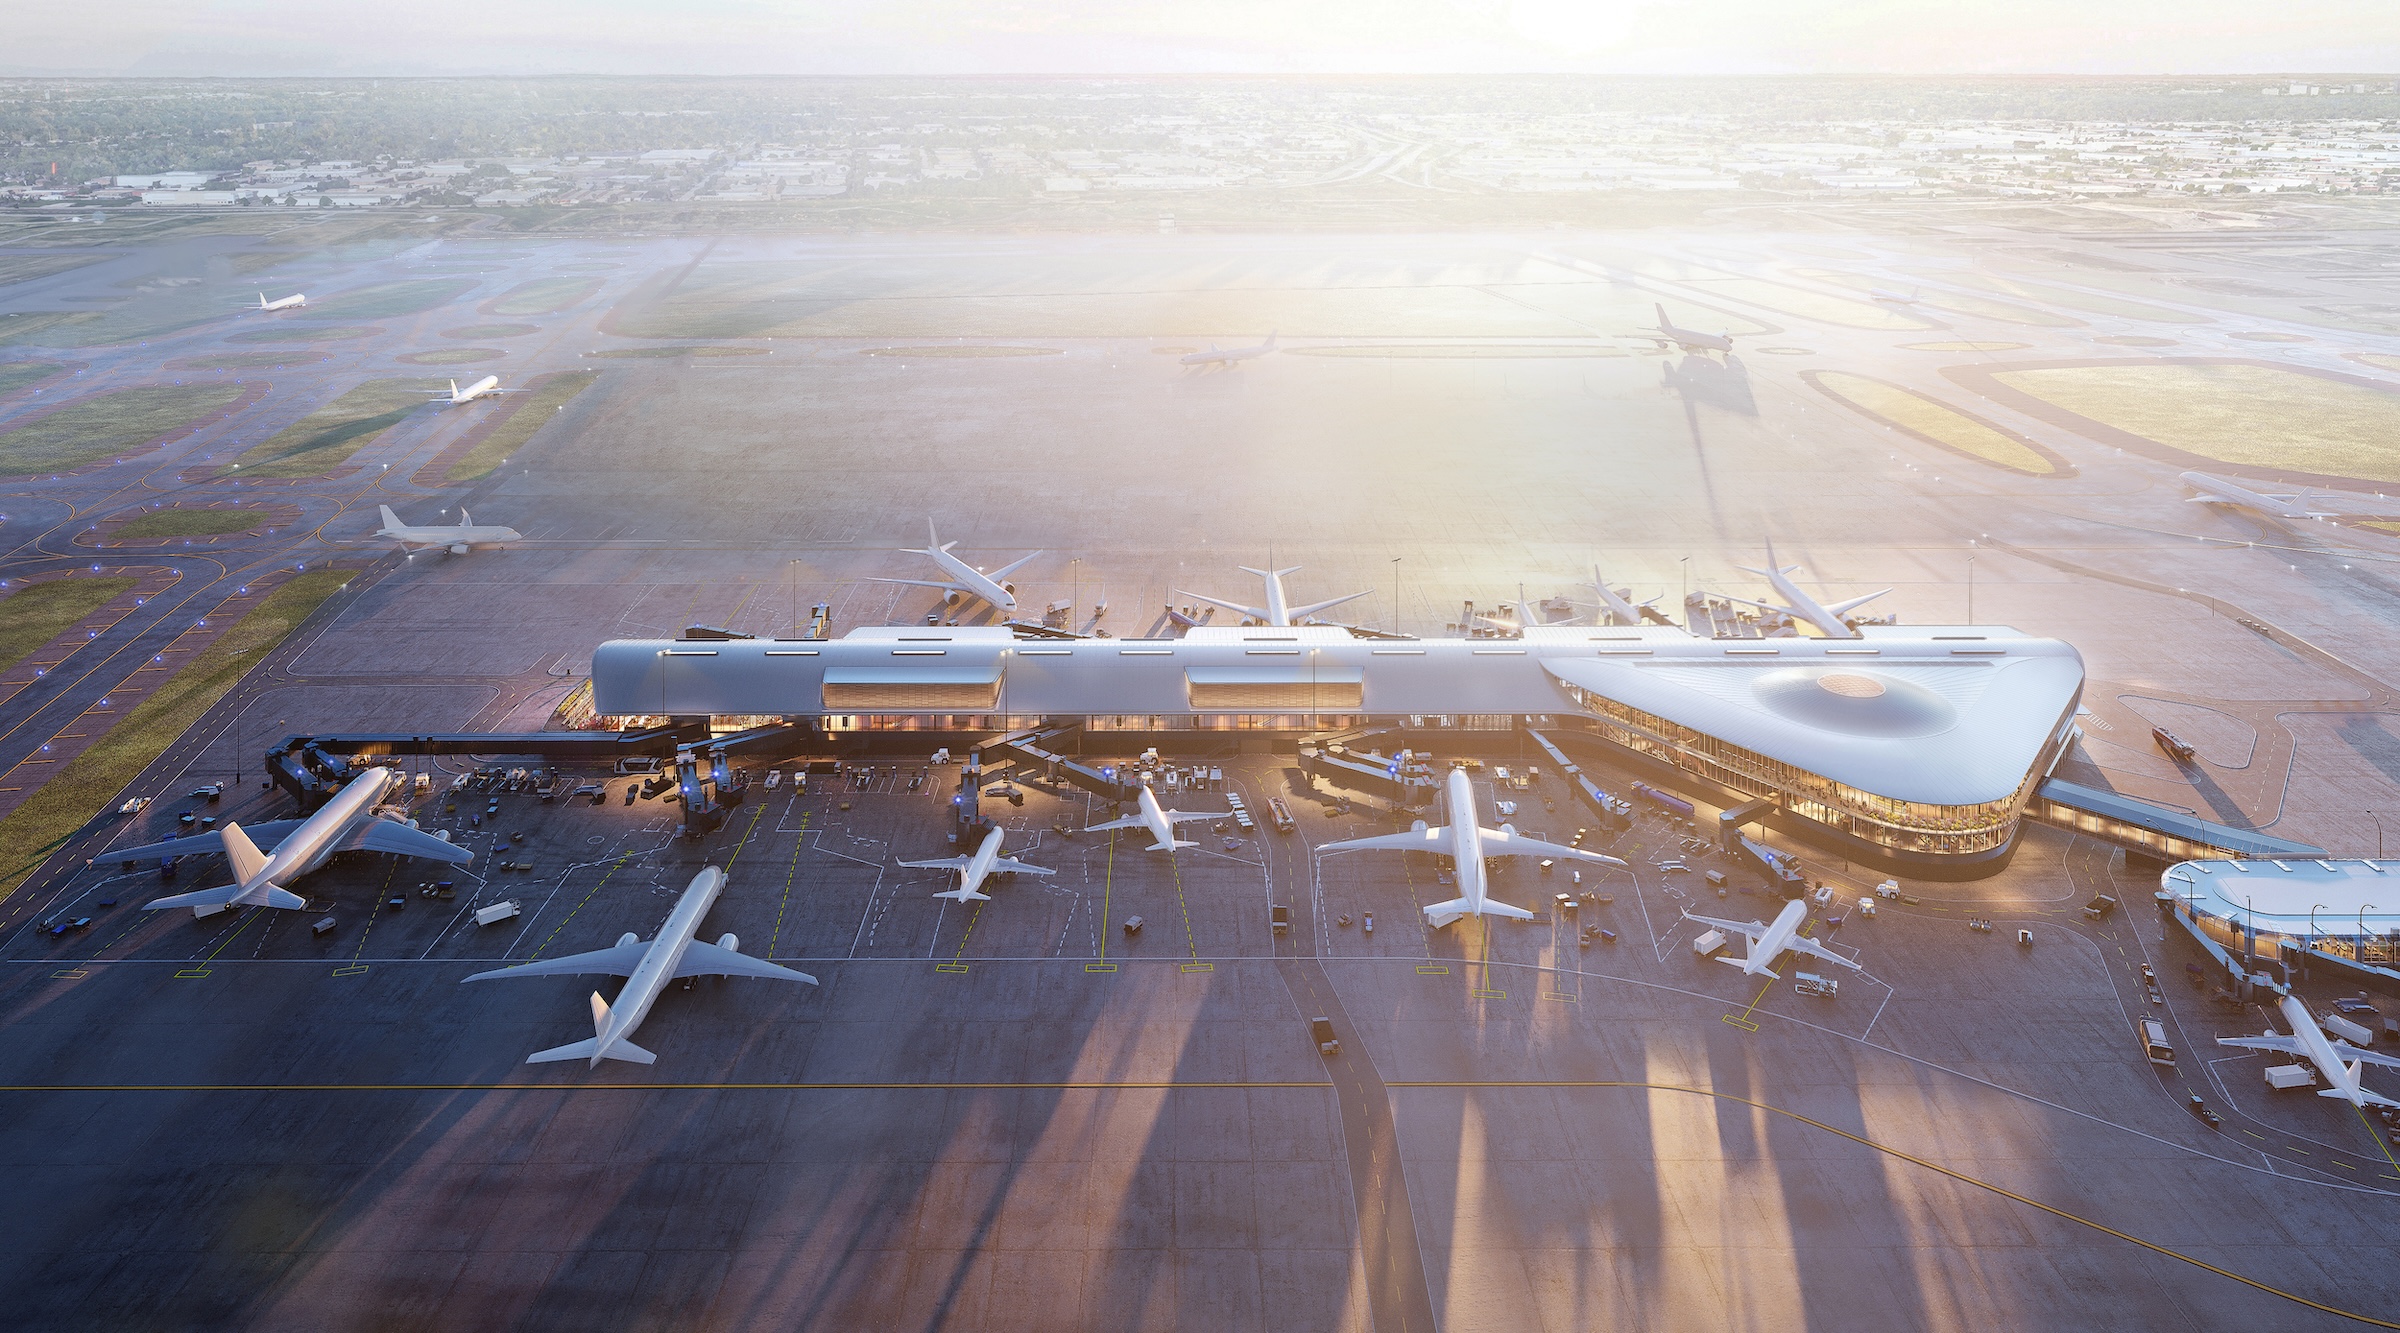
(1690, 340)
(1827, 619)
(2219, 491)
(972, 869)
(1231, 357)
(347, 823)
(965, 580)
(1278, 610)
(293, 302)
(487, 387)
(1160, 822)
(1468, 845)
(2339, 1061)
(1771, 941)
(458, 538)
(647, 968)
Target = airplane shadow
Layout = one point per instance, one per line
(1701, 380)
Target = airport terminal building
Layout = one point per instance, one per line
(1914, 747)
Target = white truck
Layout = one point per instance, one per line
(497, 912)
(2284, 1078)
(1706, 943)
(2345, 1029)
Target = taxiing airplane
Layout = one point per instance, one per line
(1801, 606)
(1690, 340)
(1468, 845)
(457, 538)
(647, 968)
(2219, 491)
(965, 580)
(1773, 940)
(1230, 357)
(1278, 610)
(347, 823)
(293, 302)
(487, 387)
(1160, 822)
(972, 869)
(2338, 1061)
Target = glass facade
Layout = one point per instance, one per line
(1911, 826)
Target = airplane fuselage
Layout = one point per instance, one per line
(480, 534)
(293, 302)
(658, 965)
(1777, 938)
(2219, 490)
(1466, 839)
(487, 387)
(313, 843)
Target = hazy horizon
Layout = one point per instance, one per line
(292, 38)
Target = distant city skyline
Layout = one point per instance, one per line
(2199, 38)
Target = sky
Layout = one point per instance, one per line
(186, 38)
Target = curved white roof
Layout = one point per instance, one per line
(2279, 894)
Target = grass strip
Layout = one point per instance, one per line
(36, 613)
(545, 402)
(384, 300)
(301, 333)
(104, 425)
(543, 296)
(1938, 422)
(327, 437)
(640, 353)
(89, 783)
(191, 522)
(15, 375)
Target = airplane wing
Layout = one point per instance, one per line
(1010, 568)
(1019, 867)
(1802, 944)
(267, 837)
(1130, 821)
(924, 583)
(1253, 612)
(702, 959)
(1328, 604)
(617, 960)
(1186, 817)
(1415, 840)
(1747, 929)
(1763, 606)
(1498, 842)
(2281, 1045)
(1844, 608)
(390, 835)
(2212, 500)
(945, 863)
(2352, 1055)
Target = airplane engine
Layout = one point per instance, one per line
(1509, 829)
(950, 599)
(1418, 827)
(1009, 588)
(458, 548)
(628, 938)
(730, 942)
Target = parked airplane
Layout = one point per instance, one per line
(2219, 491)
(647, 968)
(292, 302)
(1690, 340)
(458, 538)
(1827, 619)
(972, 869)
(2338, 1061)
(1278, 610)
(1468, 845)
(1160, 822)
(1230, 357)
(965, 580)
(1617, 607)
(347, 823)
(487, 387)
(1771, 941)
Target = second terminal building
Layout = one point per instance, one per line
(1914, 749)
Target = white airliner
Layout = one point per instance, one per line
(347, 823)
(1801, 606)
(647, 968)
(1230, 357)
(972, 869)
(293, 302)
(1278, 610)
(965, 580)
(1468, 845)
(2219, 491)
(2339, 1061)
(1616, 605)
(1690, 340)
(487, 387)
(1160, 822)
(1771, 941)
(458, 538)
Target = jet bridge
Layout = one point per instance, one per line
(1027, 746)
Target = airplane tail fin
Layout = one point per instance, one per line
(1744, 963)
(454, 390)
(465, 520)
(244, 855)
(390, 519)
(262, 300)
(1271, 336)
(1662, 314)
(963, 894)
(1171, 844)
(596, 1048)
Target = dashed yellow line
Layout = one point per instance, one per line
(570, 916)
(786, 901)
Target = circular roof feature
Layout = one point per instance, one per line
(1851, 702)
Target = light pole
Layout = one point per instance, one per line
(2312, 924)
(794, 567)
(2378, 834)
(1970, 589)
(1074, 597)
(2361, 951)
(1686, 562)
(1395, 594)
